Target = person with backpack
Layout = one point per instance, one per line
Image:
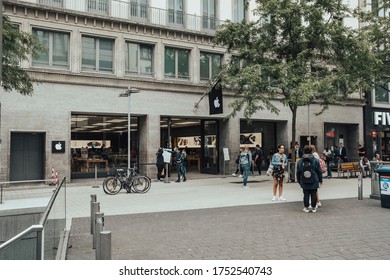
(245, 163)
(309, 176)
(279, 162)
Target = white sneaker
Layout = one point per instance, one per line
(245, 186)
(319, 204)
(314, 210)
(274, 198)
(234, 174)
(281, 198)
(305, 210)
(240, 176)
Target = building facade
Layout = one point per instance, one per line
(97, 49)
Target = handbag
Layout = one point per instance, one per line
(270, 169)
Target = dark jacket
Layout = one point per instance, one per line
(315, 163)
(160, 158)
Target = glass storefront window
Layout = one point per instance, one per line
(101, 141)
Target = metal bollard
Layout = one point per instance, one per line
(360, 187)
(105, 246)
(99, 224)
(96, 184)
(93, 211)
(96, 208)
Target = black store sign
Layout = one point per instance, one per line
(58, 147)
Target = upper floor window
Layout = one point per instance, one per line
(57, 45)
(238, 10)
(139, 8)
(175, 11)
(379, 7)
(98, 6)
(209, 15)
(97, 54)
(57, 3)
(177, 63)
(381, 93)
(139, 58)
(210, 65)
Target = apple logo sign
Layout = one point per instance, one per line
(58, 146)
(216, 103)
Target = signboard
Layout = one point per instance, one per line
(250, 139)
(226, 154)
(385, 185)
(58, 147)
(167, 153)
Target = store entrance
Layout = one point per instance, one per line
(198, 137)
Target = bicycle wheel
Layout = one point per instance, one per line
(141, 184)
(112, 185)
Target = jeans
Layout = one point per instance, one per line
(313, 197)
(245, 173)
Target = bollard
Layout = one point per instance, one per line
(96, 209)
(360, 187)
(99, 224)
(105, 246)
(96, 184)
(93, 199)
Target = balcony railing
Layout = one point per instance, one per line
(129, 10)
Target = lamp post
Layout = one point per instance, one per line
(127, 93)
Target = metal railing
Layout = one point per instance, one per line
(41, 241)
(142, 13)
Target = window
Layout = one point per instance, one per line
(177, 63)
(139, 8)
(139, 59)
(382, 94)
(238, 10)
(57, 45)
(98, 6)
(57, 3)
(175, 11)
(209, 14)
(210, 65)
(379, 8)
(97, 54)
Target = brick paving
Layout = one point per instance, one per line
(343, 229)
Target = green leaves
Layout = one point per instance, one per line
(17, 46)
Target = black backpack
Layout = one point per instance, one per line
(307, 171)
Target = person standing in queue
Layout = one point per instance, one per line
(177, 159)
(245, 163)
(279, 161)
(159, 163)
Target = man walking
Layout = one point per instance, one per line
(309, 176)
(258, 158)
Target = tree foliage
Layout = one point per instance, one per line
(17, 46)
(297, 52)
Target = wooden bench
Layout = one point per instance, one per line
(348, 167)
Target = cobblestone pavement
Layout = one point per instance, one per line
(343, 229)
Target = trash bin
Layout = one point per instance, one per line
(384, 183)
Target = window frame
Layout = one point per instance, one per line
(380, 104)
(177, 64)
(211, 71)
(139, 58)
(97, 67)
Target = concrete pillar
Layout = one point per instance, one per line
(149, 131)
(229, 137)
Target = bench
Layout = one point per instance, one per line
(348, 167)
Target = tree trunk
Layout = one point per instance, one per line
(294, 110)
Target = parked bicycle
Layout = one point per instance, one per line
(118, 179)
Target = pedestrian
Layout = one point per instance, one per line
(316, 155)
(245, 163)
(258, 158)
(327, 155)
(159, 163)
(343, 153)
(309, 176)
(279, 161)
(177, 159)
(184, 164)
(375, 163)
(365, 167)
(237, 161)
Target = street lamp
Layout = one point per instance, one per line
(127, 93)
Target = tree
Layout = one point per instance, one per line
(17, 46)
(297, 52)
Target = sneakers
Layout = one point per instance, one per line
(305, 210)
(314, 210)
(319, 204)
(274, 198)
(281, 198)
(234, 174)
(240, 176)
(185, 179)
(245, 186)
(177, 181)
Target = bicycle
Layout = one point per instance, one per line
(118, 180)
